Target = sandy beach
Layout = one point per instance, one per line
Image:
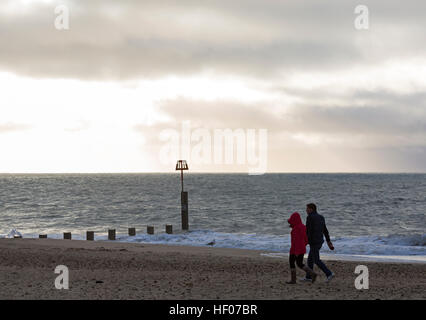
(115, 270)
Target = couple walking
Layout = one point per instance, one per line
(312, 234)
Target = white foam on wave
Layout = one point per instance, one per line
(356, 257)
(250, 241)
(393, 247)
(368, 246)
(14, 234)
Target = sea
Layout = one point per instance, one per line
(378, 217)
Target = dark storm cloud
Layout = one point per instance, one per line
(377, 112)
(132, 39)
(370, 138)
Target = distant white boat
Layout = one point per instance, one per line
(14, 234)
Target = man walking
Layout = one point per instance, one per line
(315, 230)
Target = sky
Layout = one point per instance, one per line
(132, 86)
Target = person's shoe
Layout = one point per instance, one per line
(304, 279)
(311, 273)
(293, 277)
(331, 276)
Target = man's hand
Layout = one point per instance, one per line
(330, 245)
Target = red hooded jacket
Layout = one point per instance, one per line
(299, 239)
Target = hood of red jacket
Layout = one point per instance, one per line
(295, 219)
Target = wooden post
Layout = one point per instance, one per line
(90, 235)
(182, 165)
(67, 235)
(181, 179)
(132, 232)
(42, 236)
(169, 228)
(150, 229)
(111, 234)
(184, 204)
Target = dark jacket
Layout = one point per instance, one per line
(316, 228)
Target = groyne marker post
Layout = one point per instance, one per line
(182, 165)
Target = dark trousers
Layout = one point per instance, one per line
(314, 257)
(298, 259)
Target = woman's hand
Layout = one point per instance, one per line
(330, 245)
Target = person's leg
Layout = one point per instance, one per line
(310, 262)
(316, 257)
(309, 272)
(310, 259)
(292, 260)
(299, 261)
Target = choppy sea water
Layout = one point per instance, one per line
(367, 214)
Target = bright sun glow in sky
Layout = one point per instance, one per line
(97, 97)
(77, 122)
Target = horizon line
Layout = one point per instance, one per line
(225, 172)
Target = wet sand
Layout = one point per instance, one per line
(115, 270)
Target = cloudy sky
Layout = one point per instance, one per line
(99, 96)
